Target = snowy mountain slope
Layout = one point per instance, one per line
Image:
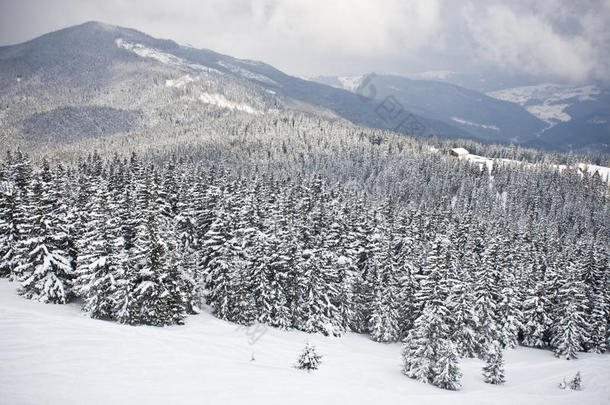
(102, 66)
(551, 116)
(99, 67)
(547, 101)
(437, 75)
(54, 354)
(577, 117)
(548, 93)
(482, 116)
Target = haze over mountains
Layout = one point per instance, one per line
(95, 80)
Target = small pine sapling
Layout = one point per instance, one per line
(309, 359)
(576, 382)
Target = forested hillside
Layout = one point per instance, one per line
(151, 181)
(437, 252)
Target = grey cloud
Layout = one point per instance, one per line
(557, 39)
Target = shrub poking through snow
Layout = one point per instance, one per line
(309, 359)
(576, 382)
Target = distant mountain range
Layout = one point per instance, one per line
(549, 116)
(481, 116)
(577, 117)
(97, 80)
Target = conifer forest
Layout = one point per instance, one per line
(462, 264)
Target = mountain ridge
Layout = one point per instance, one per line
(110, 66)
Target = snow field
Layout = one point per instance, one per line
(55, 354)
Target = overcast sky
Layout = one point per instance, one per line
(559, 39)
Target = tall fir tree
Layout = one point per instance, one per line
(570, 334)
(100, 262)
(428, 354)
(14, 190)
(45, 268)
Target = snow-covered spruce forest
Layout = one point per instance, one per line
(453, 260)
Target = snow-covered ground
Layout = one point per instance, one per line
(163, 57)
(221, 101)
(474, 124)
(551, 93)
(247, 74)
(550, 113)
(440, 75)
(350, 83)
(180, 81)
(172, 60)
(547, 101)
(51, 354)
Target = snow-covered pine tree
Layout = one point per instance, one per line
(433, 279)
(576, 382)
(261, 276)
(158, 296)
(536, 314)
(13, 209)
(280, 315)
(463, 319)
(340, 239)
(486, 296)
(384, 322)
(404, 250)
(460, 299)
(289, 251)
(220, 249)
(493, 372)
(309, 359)
(99, 262)
(446, 372)
(367, 250)
(345, 296)
(9, 233)
(185, 215)
(257, 250)
(598, 307)
(44, 268)
(318, 290)
(65, 212)
(510, 317)
(128, 219)
(600, 325)
(428, 355)
(242, 308)
(188, 246)
(570, 333)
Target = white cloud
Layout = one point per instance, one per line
(350, 27)
(530, 43)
